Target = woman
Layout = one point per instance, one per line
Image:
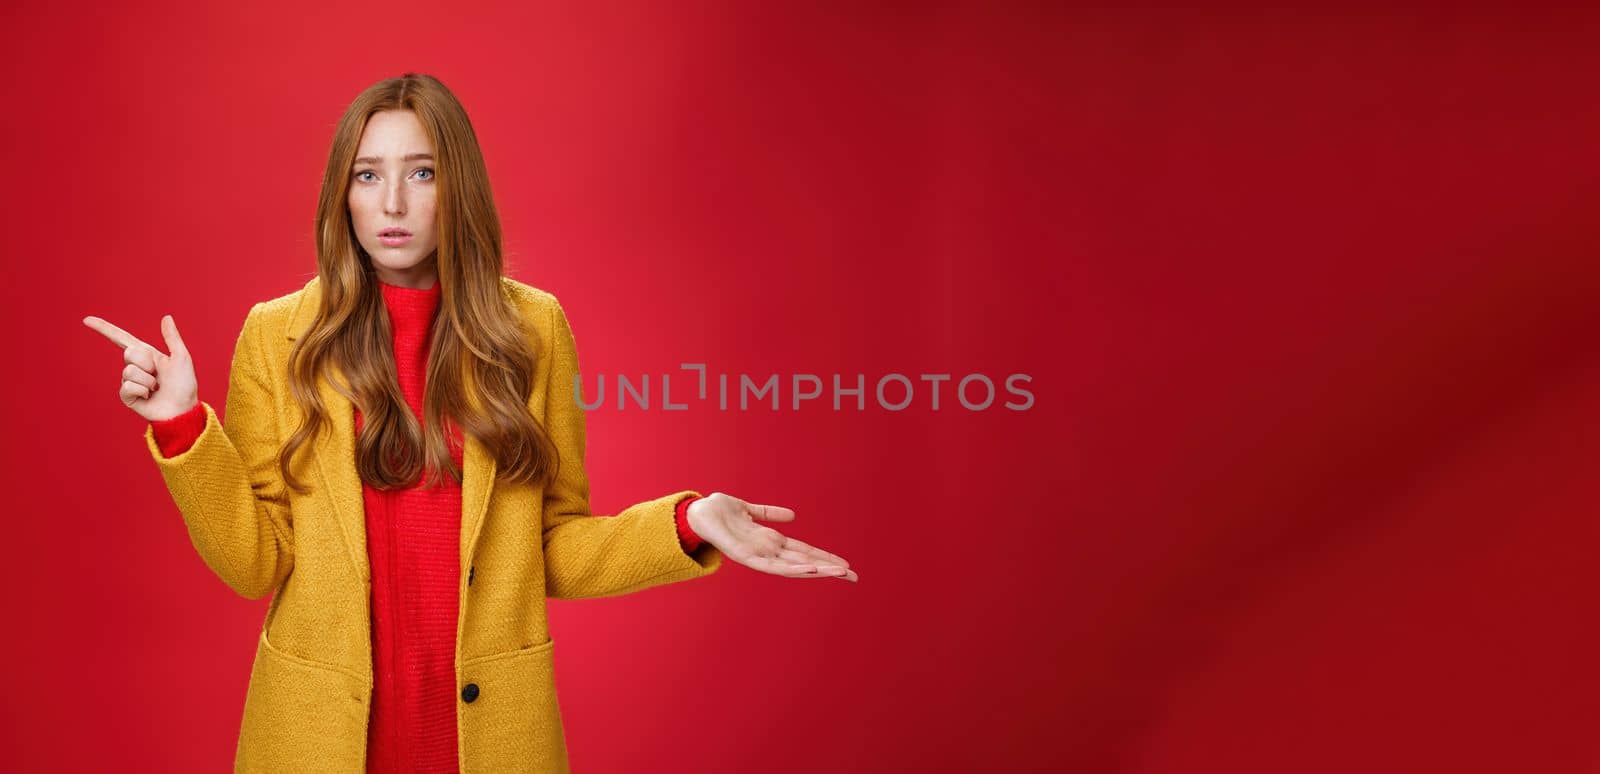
(403, 465)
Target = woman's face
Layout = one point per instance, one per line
(392, 199)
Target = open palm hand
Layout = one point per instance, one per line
(732, 526)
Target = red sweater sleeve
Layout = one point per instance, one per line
(686, 536)
(174, 436)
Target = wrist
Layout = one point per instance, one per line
(696, 513)
(188, 410)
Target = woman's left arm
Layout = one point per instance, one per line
(586, 555)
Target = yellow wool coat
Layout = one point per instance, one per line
(306, 708)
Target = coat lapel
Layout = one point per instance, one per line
(335, 452)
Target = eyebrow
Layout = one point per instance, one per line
(410, 157)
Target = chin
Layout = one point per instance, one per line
(395, 262)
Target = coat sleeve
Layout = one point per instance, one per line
(596, 556)
(226, 485)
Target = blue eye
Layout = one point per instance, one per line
(429, 171)
(363, 172)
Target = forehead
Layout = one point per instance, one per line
(393, 134)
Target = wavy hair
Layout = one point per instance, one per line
(481, 364)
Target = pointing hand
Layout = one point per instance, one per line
(155, 385)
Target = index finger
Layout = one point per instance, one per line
(117, 335)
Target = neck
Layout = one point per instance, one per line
(419, 277)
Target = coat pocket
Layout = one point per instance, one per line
(300, 715)
(513, 722)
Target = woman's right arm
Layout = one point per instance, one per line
(227, 485)
(224, 479)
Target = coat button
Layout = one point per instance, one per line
(471, 571)
(469, 693)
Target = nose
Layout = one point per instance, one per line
(394, 199)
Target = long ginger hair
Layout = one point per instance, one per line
(481, 364)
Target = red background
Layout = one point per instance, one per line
(1308, 299)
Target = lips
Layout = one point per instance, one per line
(394, 237)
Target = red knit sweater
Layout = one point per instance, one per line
(413, 545)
